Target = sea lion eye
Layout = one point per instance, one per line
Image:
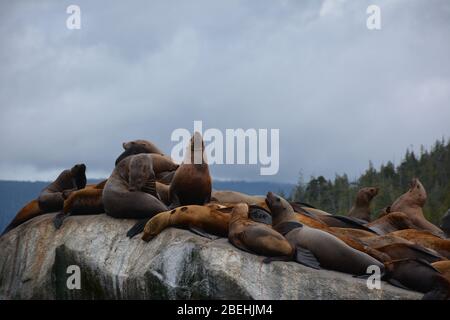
(184, 209)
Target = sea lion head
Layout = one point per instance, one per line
(156, 224)
(417, 192)
(140, 171)
(365, 195)
(137, 147)
(195, 151)
(280, 208)
(78, 172)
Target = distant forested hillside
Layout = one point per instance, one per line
(15, 194)
(432, 167)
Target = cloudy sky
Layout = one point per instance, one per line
(339, 93)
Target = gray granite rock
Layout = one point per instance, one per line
(175, 265)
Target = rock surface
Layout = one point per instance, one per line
(175, 265)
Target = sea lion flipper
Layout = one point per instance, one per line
(59, 219)
(306, 257)
(203, 233)
(137, 228)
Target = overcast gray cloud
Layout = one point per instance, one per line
(339, 93)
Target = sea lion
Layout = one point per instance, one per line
(130, 191)
(425, 239)
(200, 219)
(399, 251)
(391, 222)
(138, 147)
(376, 241)
(331, 252)
(445, 224)
(418, 275)
(86, 201)
(361, 206)
(228, 196)
(191, 183)
(411, 203)
(255, 237)
(51, 197)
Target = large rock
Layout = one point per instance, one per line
(177, 264)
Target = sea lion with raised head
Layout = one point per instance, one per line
(420, 276)
(51, 197)
(331, 252)
(130, 191)
(361, 206)
(191, 183)
(411, 203)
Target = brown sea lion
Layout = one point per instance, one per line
(331, 252)
(86, 201)
(163, 192)
(411, 203)
(391, 222)
(443, 267)
(356, 233)
(361, 206)
(375, 241)
(208, 219)
(51, 197)
(425, 239)
(191, 183)
(138, 147)
(255, 237)
(418, 275)
(228, 196)
(399, 251)
(130, 191)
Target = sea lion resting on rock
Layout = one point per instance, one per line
(130, 191)
(331, 252)
(259, 238)
(85, 201)
(207, 220)
(361, 206)
(411, 203)
(425, 239)
(418, 275)
(52, 197)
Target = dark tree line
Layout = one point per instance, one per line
(432, 167)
